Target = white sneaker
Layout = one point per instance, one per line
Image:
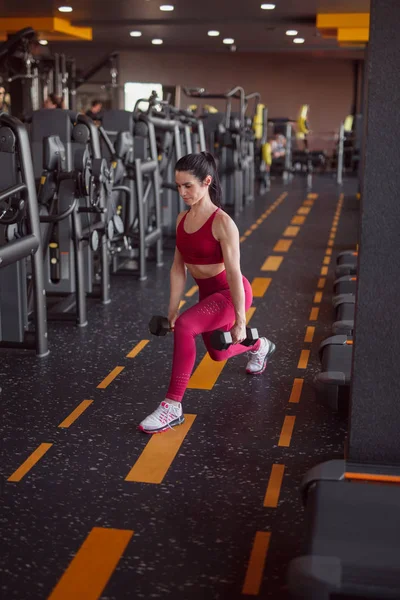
(258, 359)
(165, 417)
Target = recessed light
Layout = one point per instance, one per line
(166, 7)
(291, 32)
(135, 34)
(298, 41)
(268, 6)
(43, 42)
(65, 9)
(213, 33)
(157, 42)
(228, 41)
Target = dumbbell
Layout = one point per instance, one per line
(159, 325)
(221, 340)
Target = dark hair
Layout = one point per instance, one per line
(94, 102)
(56, 100)
(200, 165)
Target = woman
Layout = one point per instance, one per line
(207, 245)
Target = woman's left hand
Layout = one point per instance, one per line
(238, 333)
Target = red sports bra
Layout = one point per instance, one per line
(199, 247)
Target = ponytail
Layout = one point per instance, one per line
(201, 165)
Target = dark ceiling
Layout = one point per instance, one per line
(253, 29)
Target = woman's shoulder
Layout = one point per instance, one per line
(223, 222)
(180, 216)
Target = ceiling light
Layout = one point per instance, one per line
(268, 6)
(43, 42)
(65, 9)
(291, 32)
(157, 42)
(166, 7)
(298, 41)
(228, 41)
(135, 34)
(213, 33)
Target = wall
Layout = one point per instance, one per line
(283, 81)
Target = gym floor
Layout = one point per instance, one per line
(92, 508)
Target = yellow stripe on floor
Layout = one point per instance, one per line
(324, 271)
(192, 291)
(287, 430)
(181, 304)
(327, 260)
(314, 314)
(156, 458)
(242, 239)
(253, 227)
(110, 378)
(283, 246)
(255, 568)
(318, 297)
(291, 231)
(274, 486)
(328, 252)
(29, 462)
(308, 202)
(296, 391)
(298, 220)
(272, 263)
(303, 361)
(138, 348)
(330, 243)
(312, 196)
(75, 414)
(259, 221)
(309, 335)
(206, 374)
(92, 566)
(259, 285)
(304, 210)
(249, 313)
(247, 233)
(321, 283)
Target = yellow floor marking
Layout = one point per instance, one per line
(328, 252)
(249, 313)
(255, 568)
(321, 283)
(334, 230)
(304, 210)
(331, 243)
(75, 414)
(259, 285)
(139, 347)
(191, 292)
(296, 391)
(182, 303)
(317, 297)
(283, 245)
(298, 220)
(206, 374)
(274, 486)
(259, 221)
(242, 238)
(291, 231)
(247, 233)
(110, 378)
(253, 227)
(29, 462)
(92, 566)
(287, 430)
(324, 271)
(314, 314)
(272, 263)
(309, 335)
(312, 196)
(159, 453)
(308, 202)
(304, 358)
(327, 260)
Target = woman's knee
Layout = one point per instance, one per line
(216, 355)
(183, 325)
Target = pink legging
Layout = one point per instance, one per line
(214, 310)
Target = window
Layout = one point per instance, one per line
(137, 91)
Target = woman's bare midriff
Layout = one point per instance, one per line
(205, 271)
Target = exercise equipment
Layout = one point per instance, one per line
(220, 340)
(332, 384)
(344, 305)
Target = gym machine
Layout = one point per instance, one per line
(20, 244)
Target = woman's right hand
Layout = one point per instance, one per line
(172, 317)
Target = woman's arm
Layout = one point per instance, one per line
(177, 277)
(228, 235)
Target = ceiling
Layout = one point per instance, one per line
(185, 29)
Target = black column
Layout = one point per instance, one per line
(374, 436)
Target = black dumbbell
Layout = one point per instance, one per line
(221, 340)
(159, 325)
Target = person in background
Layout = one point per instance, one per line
(53, 101)
(95, 111)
